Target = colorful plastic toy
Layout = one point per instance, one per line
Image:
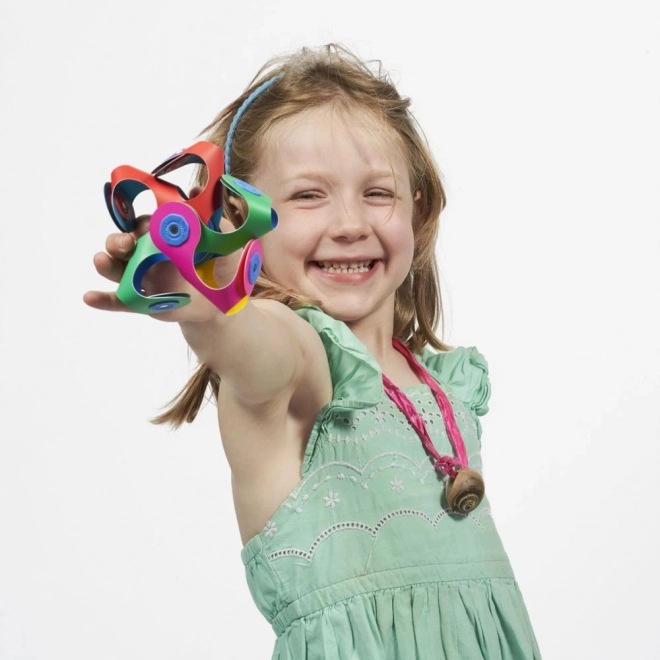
(127, 182)
(187, 231)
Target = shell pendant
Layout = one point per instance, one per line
(465, 491)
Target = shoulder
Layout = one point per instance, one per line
(310, 348)
(305, 332)
(464, 371)
(355, 374)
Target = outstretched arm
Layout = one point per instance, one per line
(259, 353)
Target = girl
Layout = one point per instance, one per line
(340, 441)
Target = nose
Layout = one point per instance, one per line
(348, 222)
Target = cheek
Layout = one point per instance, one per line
(282, 253)
(290, 237)
(403, 241)
(269, 242)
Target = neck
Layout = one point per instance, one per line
(378, 340)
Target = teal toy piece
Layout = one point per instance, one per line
(261, 218)
(130, 288)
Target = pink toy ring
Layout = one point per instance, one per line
(176, 231)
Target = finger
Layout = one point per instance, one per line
(141, 226)
(106, 301)
(106, 266)
(194, 191)
(120, 246)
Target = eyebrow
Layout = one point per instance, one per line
(305, 174)
(318, 176)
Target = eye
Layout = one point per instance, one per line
(380, 193)
(307, 194)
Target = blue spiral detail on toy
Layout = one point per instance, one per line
(248, 187)
(255, 267)
(174, 229)
(163, 306)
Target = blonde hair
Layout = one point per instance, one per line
(331, 75)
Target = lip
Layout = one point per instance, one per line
(346, 260)
(346, 278)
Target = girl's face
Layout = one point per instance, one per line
(340, 185)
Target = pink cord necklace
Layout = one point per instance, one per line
(465, 487)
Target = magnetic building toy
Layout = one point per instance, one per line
(186, 231)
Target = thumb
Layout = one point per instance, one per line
(141, 226)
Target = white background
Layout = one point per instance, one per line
(117, 538)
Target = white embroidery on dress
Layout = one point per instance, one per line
(348, 432)
(270, 529)
(379, 417)
(482, 514)
(397, 485)
(303, 492)
(332, 499)
(372, 531)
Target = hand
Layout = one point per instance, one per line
(112, 264)
(162, 277)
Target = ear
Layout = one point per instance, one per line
(418, 206)
(237, 205)
(236, 210)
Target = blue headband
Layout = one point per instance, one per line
(240, 112)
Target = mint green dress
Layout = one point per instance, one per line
(363, 561)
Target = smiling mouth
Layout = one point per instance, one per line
(345, 267)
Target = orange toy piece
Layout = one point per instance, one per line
(127, 182)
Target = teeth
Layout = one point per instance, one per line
(345, 267)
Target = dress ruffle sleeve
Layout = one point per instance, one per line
(352, 367)
(465, 372)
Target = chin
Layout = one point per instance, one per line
(349, 312)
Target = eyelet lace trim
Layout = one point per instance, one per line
(372, 531)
